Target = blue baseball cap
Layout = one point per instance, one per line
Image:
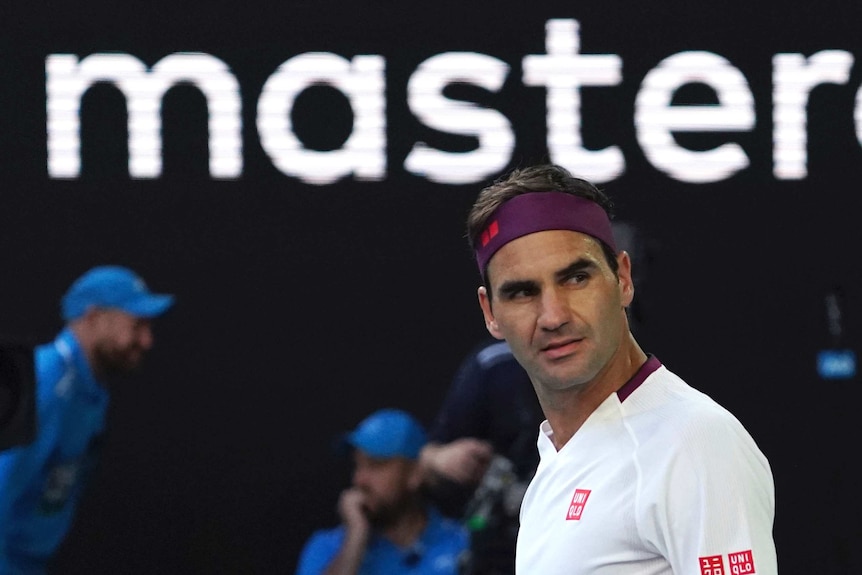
(388, 433)
(116, 287)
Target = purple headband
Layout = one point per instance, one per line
(539, 211)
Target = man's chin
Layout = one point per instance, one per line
(563, 375)
(379, 518)
(114, 369)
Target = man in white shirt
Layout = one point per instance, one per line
(640, 473)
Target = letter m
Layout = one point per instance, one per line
(68, 78)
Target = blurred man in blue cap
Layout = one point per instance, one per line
(107, 314)
(388, 528)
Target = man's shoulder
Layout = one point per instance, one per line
(492, 352)
(53, 372)
(48, 360)
(319, 549)
(325, 536)
(323, 544)
(677, 414)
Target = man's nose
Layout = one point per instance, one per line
(554, 312)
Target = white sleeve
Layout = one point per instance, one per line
(708, 501)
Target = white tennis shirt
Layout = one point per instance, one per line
(659, 480)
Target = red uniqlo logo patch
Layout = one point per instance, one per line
(711, 565)
(489, 233)
(576, 507)
(741, 563)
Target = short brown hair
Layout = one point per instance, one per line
(539, 178)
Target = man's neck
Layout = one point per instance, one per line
(568, 410)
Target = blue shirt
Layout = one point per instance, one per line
(41, 482)
(435, 553)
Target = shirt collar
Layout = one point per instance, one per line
(73, 354)
(650, 365)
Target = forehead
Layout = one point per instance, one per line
(361, 458)
(119, 317)
(541, 253)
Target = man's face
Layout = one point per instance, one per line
(386, 484)
(559, 305)
(121, 341)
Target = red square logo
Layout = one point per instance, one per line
(741, 562)
(576, 507)
(713, 565)
(489, 233)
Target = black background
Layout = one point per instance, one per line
(302, 308)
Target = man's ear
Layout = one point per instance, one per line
(490, 322)
(624, 272)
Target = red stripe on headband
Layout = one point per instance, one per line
(490, 232)
(540, 211)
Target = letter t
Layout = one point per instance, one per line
(563, 71)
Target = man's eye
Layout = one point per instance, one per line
(520, 293)
(578, 278)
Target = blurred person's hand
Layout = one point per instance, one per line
(463, 460)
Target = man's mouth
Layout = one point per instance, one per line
(561, 348)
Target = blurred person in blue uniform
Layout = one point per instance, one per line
(107, 332)
(387, 526)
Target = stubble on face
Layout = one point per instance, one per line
(558, 304)
(385, 491)
(112, 360)
(121, 345)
